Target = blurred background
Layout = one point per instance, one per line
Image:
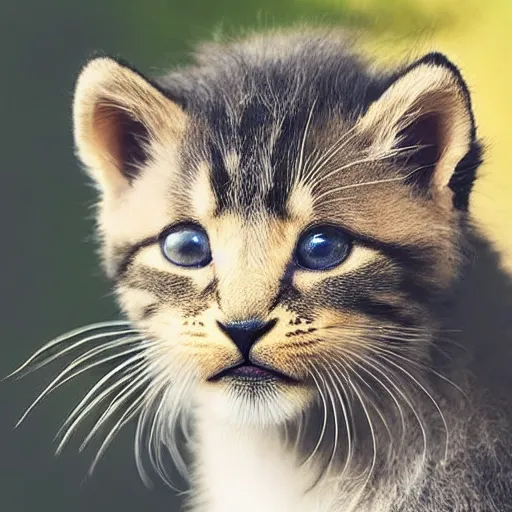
(50, 280)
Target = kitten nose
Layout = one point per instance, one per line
(246, 332)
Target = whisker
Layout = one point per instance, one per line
(128, 375)
(338, 200)
(176, 406)
(67, 433)
(303, 142)
(370, 426)
(160, 418)
(130, 413)
(59, 379)
(328, 155)
(354, 358)
(123, 340)
(155, 457)
(384, 422)
(324, 419)
(299, 434)
(347, 362)
(334, 448)
(434, 402)
(84, 406)
(371, 401)
(153, 393)
(372, 158)
(366, 183)
(349, 456)
(138, 381)
(419, 365)
(378, 367)
(64, 337)
(324, 471)
(407, 329)
(413, 334)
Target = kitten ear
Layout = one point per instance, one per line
(117, 116)
(427, 108)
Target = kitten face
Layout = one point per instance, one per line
(255, 157)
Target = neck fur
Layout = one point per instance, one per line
(250, 469)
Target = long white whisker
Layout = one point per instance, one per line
(370, 426)
(344, 374)
(348, 459)
(154, 392)
(59, 380)
(336, 425)
(74, 346)
(338, 200)
(303, 143)
(96, 401)
(407, 335)
(427, 368)
(176, 405)
(86, 410)
(128, 341)
(139, 380)
(373, 158)
(354, 357)
(64, 337)
(366, 183)
(376, 365)
(153, 443)
(130, 412)
(327, 156)
(324, 419)
(434, 402)
(376, 407)
(326, 469)
(165, 419)
(76, 416)
(300, 428)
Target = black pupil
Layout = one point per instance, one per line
(191, 246)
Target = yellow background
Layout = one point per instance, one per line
(477, 36)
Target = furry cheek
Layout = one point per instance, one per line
(191, 341)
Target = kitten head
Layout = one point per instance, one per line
(278, 216)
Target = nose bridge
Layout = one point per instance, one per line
(248, 289)
(249, 269)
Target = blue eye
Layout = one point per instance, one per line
(186, 246)
(322, 248)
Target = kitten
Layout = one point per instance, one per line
(309, 305)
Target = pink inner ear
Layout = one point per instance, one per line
(122, 138)
(424, 137)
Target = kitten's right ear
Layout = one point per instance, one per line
(118, 116)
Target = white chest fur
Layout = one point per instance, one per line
(250, 470)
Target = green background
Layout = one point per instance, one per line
(50, 281)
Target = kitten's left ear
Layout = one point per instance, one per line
(427, 107)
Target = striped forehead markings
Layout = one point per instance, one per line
(253, 155)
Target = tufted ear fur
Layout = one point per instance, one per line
(118, 116)
(425, 114)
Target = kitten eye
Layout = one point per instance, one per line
(322, 248)
(186, 246)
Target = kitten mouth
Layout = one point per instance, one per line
(251, 372)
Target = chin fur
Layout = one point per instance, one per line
(259, 404)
